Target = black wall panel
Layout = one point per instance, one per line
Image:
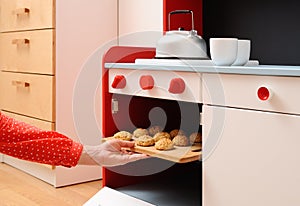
(272, 26)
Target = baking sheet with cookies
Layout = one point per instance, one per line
(177, 154)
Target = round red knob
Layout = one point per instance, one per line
(146, 82)
(177, 86)
(263, 93)
(119, 82)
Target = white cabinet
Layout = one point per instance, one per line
(250, 155)
(140, 22)
(255, 160)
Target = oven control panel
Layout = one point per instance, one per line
(182, 86)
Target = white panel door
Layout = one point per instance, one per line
(251, 158)
(140, 22)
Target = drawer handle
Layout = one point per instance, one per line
(20, 41)
(20, 83)
(21, 11)
(264, 93)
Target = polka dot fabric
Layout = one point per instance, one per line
(27, 142)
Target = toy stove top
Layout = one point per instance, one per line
(175, 61)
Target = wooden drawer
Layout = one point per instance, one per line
(241, 91)
(28, 94)
(30, 51)
(26, 14)
(32, 121)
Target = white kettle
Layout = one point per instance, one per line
(181, 44)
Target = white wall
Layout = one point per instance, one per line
(82, 28)
(140, 22)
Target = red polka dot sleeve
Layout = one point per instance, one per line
(27, 142)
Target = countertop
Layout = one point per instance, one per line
(251, 69)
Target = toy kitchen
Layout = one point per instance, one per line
(248, 115)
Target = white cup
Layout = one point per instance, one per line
(223, 51)
(243, 54)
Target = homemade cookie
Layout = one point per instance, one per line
(164, 144)
(145, 141)
(176, 132)
(123, 135)
(161, 135)
(154, 129)
(195, 137)
(140, 132)
(181, 140)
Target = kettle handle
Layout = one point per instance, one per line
(181, 12)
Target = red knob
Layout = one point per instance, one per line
(263, 93)
(146, 82)
(177, 86)
(119, 82)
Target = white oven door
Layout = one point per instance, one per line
(250, 158)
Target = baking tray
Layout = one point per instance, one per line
(178, 154)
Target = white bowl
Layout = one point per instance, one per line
(223, 51)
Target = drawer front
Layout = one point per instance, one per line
(183, 86)
(18, 15)
(28, 94)
(32, 121)
(245, 91)
(30, 51)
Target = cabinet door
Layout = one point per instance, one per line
(250, 158)
(140, 22)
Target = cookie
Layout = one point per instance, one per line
(164, 144)
(176, 132)
(181, 140)
(145, 141)
(123, 135)
(140, 132)
(161, 135)
(195, 138)
(154, 129)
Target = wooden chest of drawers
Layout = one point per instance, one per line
(29, 45)
(27, 71)
(27, 58)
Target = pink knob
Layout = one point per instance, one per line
(263, 93)
(146, 82)
(119, 82)
(177, 86)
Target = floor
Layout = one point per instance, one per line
(20, 189)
